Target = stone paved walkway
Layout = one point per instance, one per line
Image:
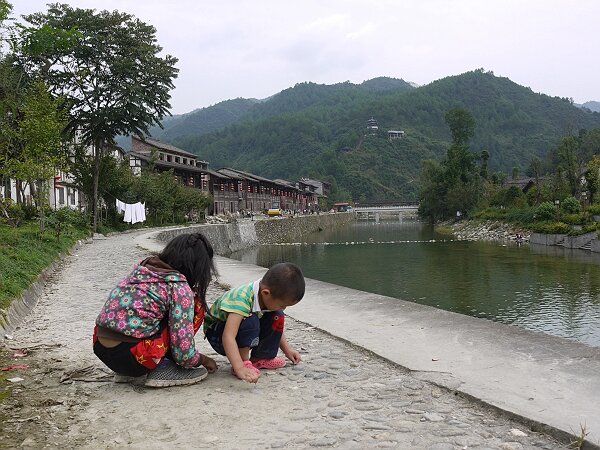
(339, 396)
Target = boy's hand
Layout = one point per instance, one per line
(246, 374)
(293, 356)
(209, 364)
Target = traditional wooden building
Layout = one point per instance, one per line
(372, 126)
(187, 168)
(396, 134)
(233, 190)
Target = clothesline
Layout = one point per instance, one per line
(134, 213)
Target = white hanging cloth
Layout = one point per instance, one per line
(133, 213)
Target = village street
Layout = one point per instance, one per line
(339, 396)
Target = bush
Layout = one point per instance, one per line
(522, 216)
(66, 220)
(594, 209)
(570, 205)
(584, 230)
(545, 211)
(14, 212)
(551, 227)
(574, 219)
(491, 214)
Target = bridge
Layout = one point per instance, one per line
(376, 212)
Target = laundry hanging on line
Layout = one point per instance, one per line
(134, 213)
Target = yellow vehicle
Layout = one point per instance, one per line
(274, 210)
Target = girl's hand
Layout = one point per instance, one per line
(294, 356)
(210, 364)
(246, 374)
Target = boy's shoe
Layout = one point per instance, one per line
(170, 374)
(127, 379)
(273, 363)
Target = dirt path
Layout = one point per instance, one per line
(338, 397)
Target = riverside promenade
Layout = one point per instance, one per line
(376, 373)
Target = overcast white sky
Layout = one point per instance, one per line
(254, 49)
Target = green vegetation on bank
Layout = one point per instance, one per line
(563, 199)
(25, 252)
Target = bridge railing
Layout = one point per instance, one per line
(386, 208)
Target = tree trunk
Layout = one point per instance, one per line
(97, 159)
(19, 192)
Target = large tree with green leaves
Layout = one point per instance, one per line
(42, 148)
(454, 185)
(107, 68)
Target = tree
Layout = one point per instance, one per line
(433, 191)
(462, 125)
(43, 151)
(589, 144)
(568, 165)
(454, 185)
(593, 177)
(483, 171)
(106, 67)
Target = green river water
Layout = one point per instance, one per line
(541, 288)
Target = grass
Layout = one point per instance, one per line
(579, 437)
(24, 254)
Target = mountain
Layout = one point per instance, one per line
(204, 120)
(295, 99)
(319, 131)
(592, 106)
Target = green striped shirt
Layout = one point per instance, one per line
(239, 300)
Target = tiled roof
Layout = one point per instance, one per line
(174, 165)
(165, 146)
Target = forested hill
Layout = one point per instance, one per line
(297, 98)
(592, 106)
(321, 132)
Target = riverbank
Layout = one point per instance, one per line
(486, 230)
(343, 394)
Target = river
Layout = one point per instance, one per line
(540, 288)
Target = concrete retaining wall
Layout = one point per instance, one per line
(567, 241)
(231, 237)
(225, 238)
(546, 239)
(579, 241)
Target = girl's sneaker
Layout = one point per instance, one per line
(170, 374)
(127, 379)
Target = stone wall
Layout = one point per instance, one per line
(231, 237)
(291, 229)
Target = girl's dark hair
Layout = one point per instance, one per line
(192, 255)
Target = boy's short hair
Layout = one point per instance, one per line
(285, 281)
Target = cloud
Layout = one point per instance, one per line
(255, 48)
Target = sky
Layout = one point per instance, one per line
(254, 49)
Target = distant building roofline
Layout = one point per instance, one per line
(164, 146)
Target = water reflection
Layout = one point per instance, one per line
(548, 289)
